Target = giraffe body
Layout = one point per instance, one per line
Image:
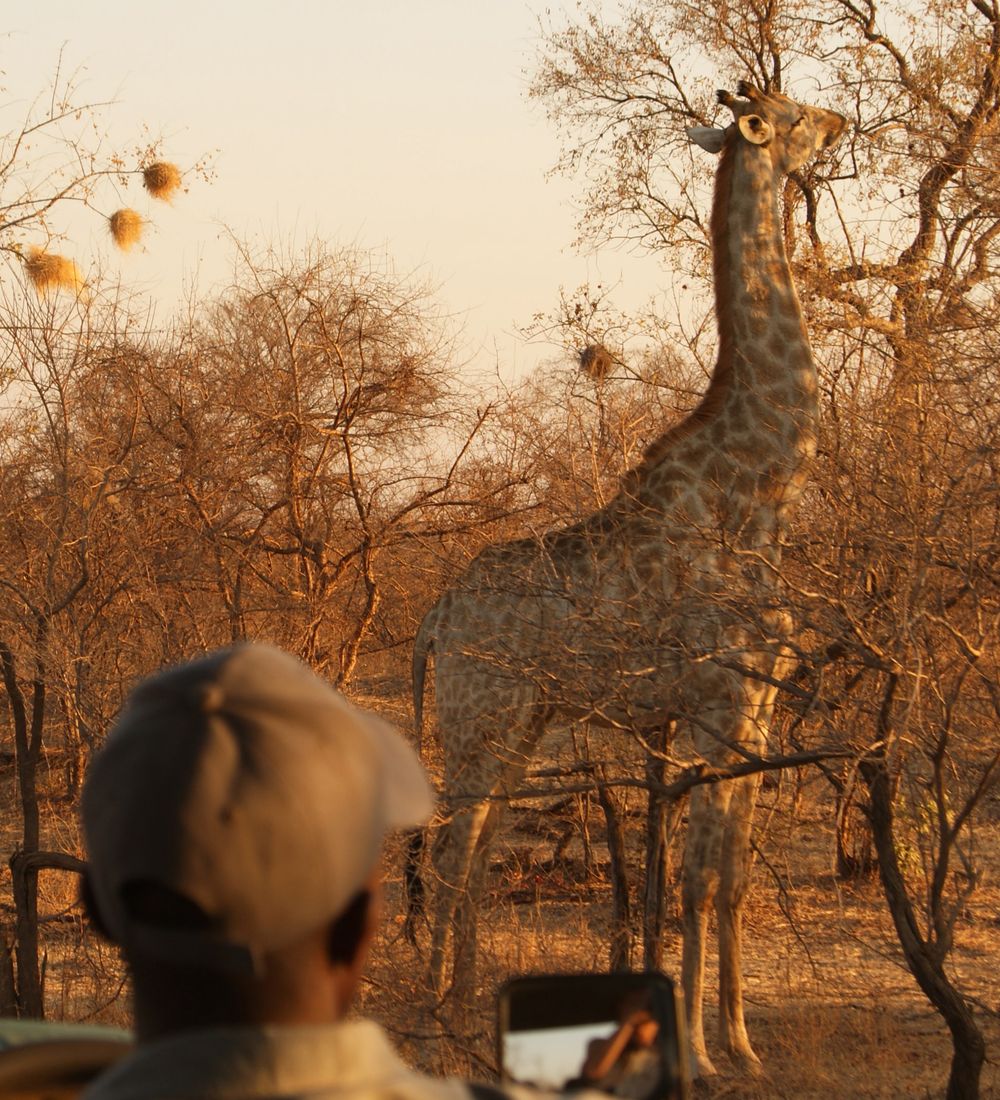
(661, 607)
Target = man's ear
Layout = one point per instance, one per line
(350, 932)
(89, 903)
(707, 137)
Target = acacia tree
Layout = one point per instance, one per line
(239, 477)
(296, 419)
(66, 567)
(893, 241)
(62, 450)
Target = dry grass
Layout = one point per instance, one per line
(50, 271)
(161, 179)
(831, 1008)
(126, 228)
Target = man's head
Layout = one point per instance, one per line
(234, 820)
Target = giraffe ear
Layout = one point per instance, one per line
(754, 129)
(707, 137)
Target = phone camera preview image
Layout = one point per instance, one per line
(621, 1034)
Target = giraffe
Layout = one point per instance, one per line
(664, 606)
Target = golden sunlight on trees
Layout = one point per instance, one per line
(67, 435)
(300, 459)
(268, 469)
(67, 568)
(890, 568)
(293, 423)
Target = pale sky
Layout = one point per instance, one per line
(395, 124)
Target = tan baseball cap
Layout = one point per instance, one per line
(245, 784)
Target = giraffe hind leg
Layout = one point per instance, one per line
(465, 932)
(463, 843)
(453, 857)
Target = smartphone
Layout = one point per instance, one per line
(621, 1034)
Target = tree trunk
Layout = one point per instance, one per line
(620, 950)
(657, 849)
(29, 979)
(28, 745)
(351, 647)
(24, 868)
(583, 815)
(968, 1047)
(8, 988)
(855, 856)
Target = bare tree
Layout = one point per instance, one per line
(258, 473)
(296, 419)
(65, 567)
(894, 244)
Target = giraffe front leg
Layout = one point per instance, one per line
(700, 882)
(729, 910)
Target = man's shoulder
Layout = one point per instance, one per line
(342, 1060)
(479, 1091)
(486, 1092)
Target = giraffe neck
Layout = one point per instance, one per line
(764, 385)
(758, 414)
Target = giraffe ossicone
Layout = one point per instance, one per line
(663, 607)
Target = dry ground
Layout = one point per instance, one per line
(831, 1008)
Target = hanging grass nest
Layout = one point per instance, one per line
(126, 228)
(50, 271)
(161, 179)
(596, 362)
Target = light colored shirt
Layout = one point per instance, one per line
(635, 1076)
(351, 1060)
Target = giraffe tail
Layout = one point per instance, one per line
(416, 891)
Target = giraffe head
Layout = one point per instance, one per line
(789, 131)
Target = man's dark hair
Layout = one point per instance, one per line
(151, 903)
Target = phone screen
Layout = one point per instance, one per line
(621, 1034)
